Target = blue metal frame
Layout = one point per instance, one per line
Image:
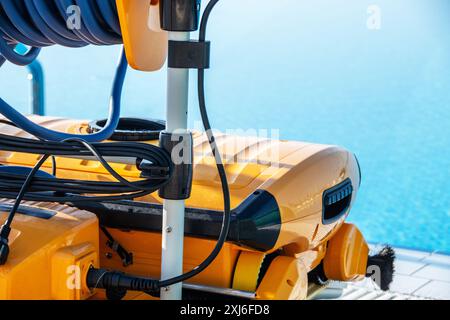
(36, 76)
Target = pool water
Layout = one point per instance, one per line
(315, 71)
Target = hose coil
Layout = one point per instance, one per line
(69, 23)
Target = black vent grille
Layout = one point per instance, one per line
(336, 201)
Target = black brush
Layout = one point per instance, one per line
(384, 260)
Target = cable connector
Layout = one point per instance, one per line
(150, 171)
(114, 281)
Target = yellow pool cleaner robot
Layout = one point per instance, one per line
(128, 208)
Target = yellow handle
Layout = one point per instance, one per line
(145, 43)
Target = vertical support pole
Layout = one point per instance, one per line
(174, 210)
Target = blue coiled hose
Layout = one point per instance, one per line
(38, 24)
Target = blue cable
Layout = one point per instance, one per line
(113, 119)
(39, 24)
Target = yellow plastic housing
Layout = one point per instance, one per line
(145, 43)
(346, 258)
(286, 279)
(49, 257)
(295, 173)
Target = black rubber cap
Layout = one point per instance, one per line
(132, 129)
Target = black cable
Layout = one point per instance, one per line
(12, 124)
(220, 167)
(53, 189)
(100, 278)
(32, 187)
(125, 256)
(6, 227)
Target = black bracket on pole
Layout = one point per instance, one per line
(189, 54)
(181, 148)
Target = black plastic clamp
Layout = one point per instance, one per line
(189, 54)
(180, 147)
(180, 15)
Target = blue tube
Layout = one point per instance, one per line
(19, 22)
(113, 120)
(38, 24)
(55, 31)
(7, 51)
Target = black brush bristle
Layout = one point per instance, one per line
(384, 260)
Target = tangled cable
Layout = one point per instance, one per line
(36, 186)
(156, 165)
(39, 24)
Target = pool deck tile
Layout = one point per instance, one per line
(411, 255)
(435, 289)
(418, 275)
(406, 267)
(433, 272)
(421, 274)
(407, 284)
(438, 259)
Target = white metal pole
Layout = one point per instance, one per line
(174, 210)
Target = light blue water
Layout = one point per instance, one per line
(315, 71)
